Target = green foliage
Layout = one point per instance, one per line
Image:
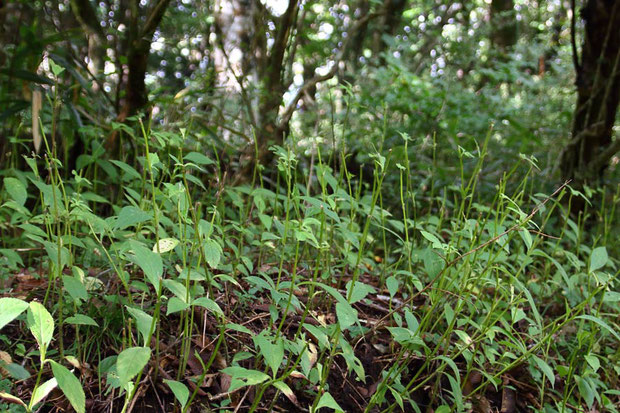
(405, 249)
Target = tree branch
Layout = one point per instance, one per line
(292, 106)
(154, 19)
(276, 57)
(603, 158)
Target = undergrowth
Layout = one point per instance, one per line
(151, 283)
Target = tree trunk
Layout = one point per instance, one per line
(138, 45)
(587, 154)
(86, 14)
(389, 24)
(503, 25)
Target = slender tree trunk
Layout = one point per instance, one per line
(587, 154)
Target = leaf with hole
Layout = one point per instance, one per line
(165, 244)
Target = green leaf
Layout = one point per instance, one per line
(42, 391)
(403, 335)
(353, 363)
(175, 305)
(150, 263)
(347, 315)
(10, 309)
(284, 388)
(243, 377)
(546, 369)
(598, 258)
(15, 370)
(129, 170)
(41, 325)
(319, 334)
(432, 238)
(16, 189)
(398, 398)
(75, 288)
(593, 361)
(526, 237)
(26, 75)
(177, 289)
(448, 313)
(131, 362)
(600, 323)
(70, 386)
(198, 158)
(611, 297)
(328, 401)
(180, 391)
(360, 291)
(239, 328)
(212, 251)
(11, 399)
(392, 285)
(129, 216)
(143, 322)
(586, 390)
(456, 392)
(56, 69)
(208, 304)
(433, 264)
(81, 319)
(52, 252)
(11, 258)
(272, 353)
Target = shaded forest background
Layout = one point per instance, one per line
(237, 73)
